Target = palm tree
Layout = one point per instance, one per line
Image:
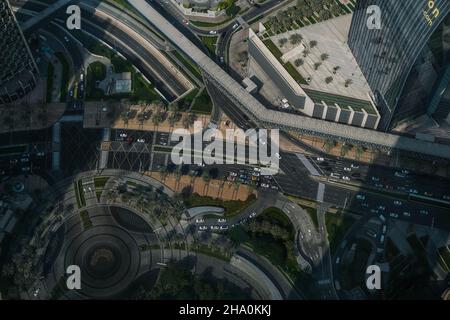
(317, 65)
(306, 52)
(295, 38)
(282, 42)
(328, 80)
(298, 62)
(348, 82)
(324, 56)
(335, 69)
(312, 43)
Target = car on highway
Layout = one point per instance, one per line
(446, 197)
(424, 212)
(360, 197)
(428, 194)
(252, 215)
(406, 214)
(203, 228)
(414, 191)
(123, 135)
(199, 220)
(320, 159)
(376, 179)
(223, 227)
(140, 140)
(186, 22)
(393, 215)
(235, 25)
(265, 185)
(347, 169)
(354, 166)
(274, 187)
(214, 227)
(213, 32)
(399, 174)
(221, 220)
(381, 207)
(221, 60)
(397, 203)
(371, 233)
(346, 178)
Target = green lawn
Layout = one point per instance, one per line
(202, 104)
(84, 216)
(65, 75)
(99, 184)
(193, 68)
(95, 72)
(337, 224)
(210, 43)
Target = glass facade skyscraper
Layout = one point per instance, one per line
(18, 71)
(402, 61)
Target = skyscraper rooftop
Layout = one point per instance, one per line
(18, 71)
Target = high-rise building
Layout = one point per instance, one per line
(18, 71)
(404, 59)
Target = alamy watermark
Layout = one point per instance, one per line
(231, 149)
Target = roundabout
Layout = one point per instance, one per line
(113, 239)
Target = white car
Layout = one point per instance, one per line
(320, 159)
(345, 178)
(278, 156)
(223, 227)
(203, 228)
(393, 215)
(201, 164)
(347, 169)
(256, 174)
(214, 227)
(233, 174)
(397, 203)
(360, 197)
(221, 220)
(123, 135)
(354, 166)
(235, 25)
(252, 215)
(213, 32)
(264, 185)
(199, 220)
(140, 140)
(257, 169)
(66, 38)
(424, 212)
(407, 214)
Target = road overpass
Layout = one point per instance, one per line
(38, 21)
(276, 119)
